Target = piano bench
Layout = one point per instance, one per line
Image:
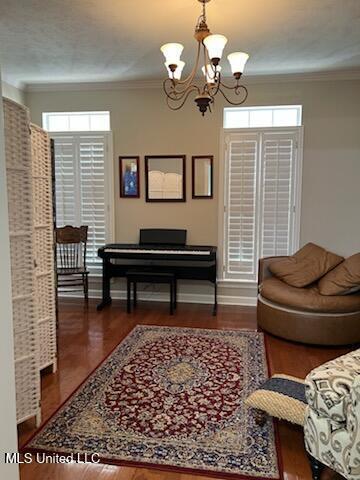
(133, 277)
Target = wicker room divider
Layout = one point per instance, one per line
(19, 190)
(44, 246)
(29, 187)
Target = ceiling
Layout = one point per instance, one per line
(57, 41)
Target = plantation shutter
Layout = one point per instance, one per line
(66, 181)
(92, 151)
(242, 150)
(260, 208)
(278, 204)
(81, 165)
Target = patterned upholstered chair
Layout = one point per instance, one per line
(332, 418)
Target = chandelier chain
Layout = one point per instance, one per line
(202, 18)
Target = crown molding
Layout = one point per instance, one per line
(333, 75)
(75, 87)
(18, 85)
(337, 75)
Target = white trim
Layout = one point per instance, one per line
(335, 75)
(110, 188)
(231, 283)
(164, 297)
(298, 188)
(221, 210)
(8, 436)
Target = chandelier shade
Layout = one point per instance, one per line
(210, 48)
(215, 45)
(172, 52)
(238, 61)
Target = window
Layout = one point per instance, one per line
(83, 188)
(76, 121)
(262, 196)
(260, 117)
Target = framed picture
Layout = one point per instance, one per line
(202, 176)
(129, 177)
(165, 178)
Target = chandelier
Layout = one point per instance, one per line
(210, 49)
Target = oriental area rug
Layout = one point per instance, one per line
(171, 398)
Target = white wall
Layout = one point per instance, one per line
(8, 438)
(142, 124)
(16, 94)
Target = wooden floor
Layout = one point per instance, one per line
(87, 336)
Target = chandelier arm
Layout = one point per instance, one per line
(238, 88)
(215, 88)
(168, 99)
(212, 89)
(190, 77)
(209, 88)
(177, 96)
(205, 57)
(170, 91)
(209, 62)
(217, 75)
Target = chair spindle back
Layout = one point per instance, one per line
(71, 246)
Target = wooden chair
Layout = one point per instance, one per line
(71, 258)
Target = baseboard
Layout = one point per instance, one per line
(164, 297)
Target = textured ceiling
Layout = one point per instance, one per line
(44, 41)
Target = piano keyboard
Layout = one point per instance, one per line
(157, 252)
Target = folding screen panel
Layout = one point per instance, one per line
(20, 200)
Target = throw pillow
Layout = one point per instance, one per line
(343, 279)
(282, 396)
(306, 266)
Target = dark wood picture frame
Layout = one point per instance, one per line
(122, 183)
(193, 160)
(162, 200)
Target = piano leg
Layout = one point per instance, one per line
(175, 293)
(171, 298)
(106, 297)
(128, 295)
(135, 294)
(215, 299)
(104, 303)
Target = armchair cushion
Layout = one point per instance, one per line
(308, 298)
(343, 279)
(329, 387)
(306, 266)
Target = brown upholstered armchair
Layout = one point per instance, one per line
(303, 314)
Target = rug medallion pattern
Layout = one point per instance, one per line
(171, 397)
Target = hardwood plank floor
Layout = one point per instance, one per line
(87, 336)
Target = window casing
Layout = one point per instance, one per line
(76, 121)
(263, 117)
(262, 188)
